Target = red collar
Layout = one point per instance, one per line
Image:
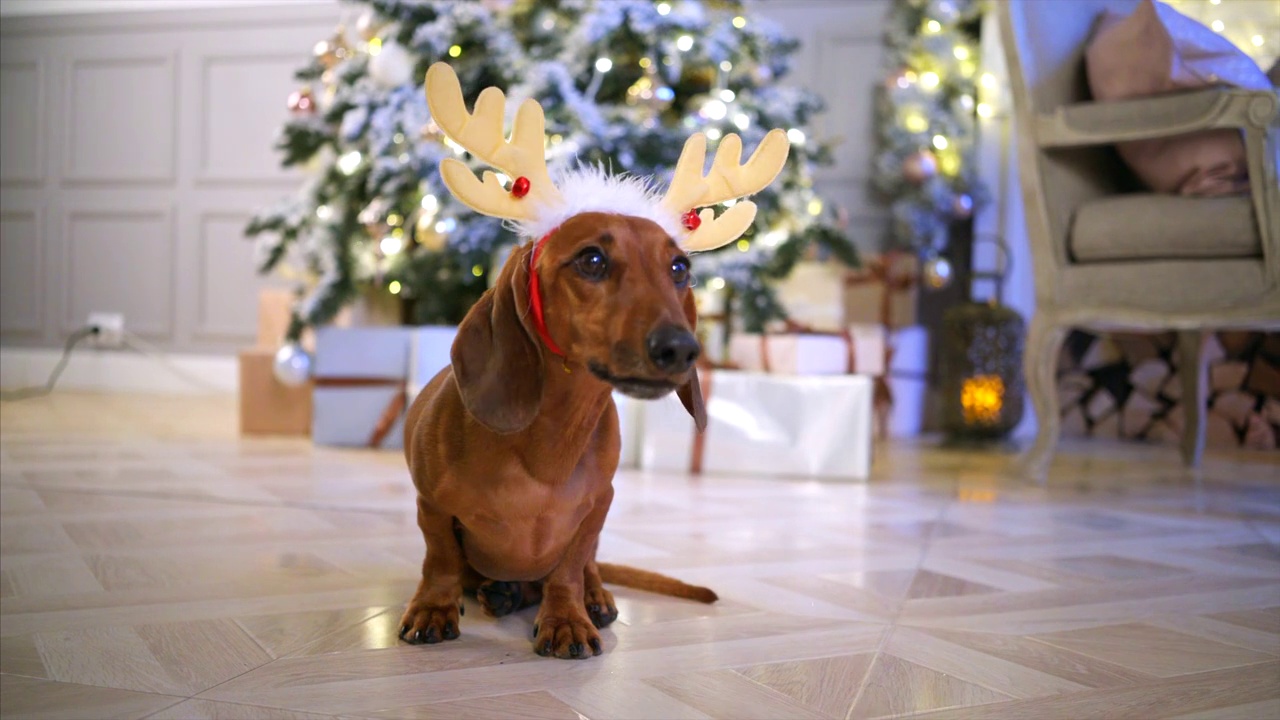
(535, 298)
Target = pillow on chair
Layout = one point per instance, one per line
(1157, 50)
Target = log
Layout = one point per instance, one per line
(1258, 434)
(1148, 376)
(1172, 387)
(1135, 416)
(1136, 348)
(1271, 410)
(1108, 427)
(1235, 406)
(1101, 353)
(1099, 405)
(1164, 433)
(1228, 375)
(1263, 378)
(1073, 424)
(1239, 344)
(1219, 433)
(1073, 386)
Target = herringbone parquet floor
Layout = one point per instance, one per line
(154, 565)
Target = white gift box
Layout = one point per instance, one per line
(360, 378)
(629, 417)
(762, 424)
(811, 353)
(429, 353)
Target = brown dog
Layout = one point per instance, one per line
(514, 446)
(513, 451)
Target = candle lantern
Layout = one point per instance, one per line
(980, 364)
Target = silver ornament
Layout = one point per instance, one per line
(937, 272)
(292, 365)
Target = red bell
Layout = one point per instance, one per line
(520, 187)
(691, 220)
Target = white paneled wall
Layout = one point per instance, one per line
(137, 144)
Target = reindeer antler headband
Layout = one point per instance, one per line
(537, 205)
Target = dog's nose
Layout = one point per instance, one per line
(673, 349)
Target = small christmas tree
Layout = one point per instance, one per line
(926, 116)
(623, 82)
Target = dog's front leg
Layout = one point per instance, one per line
(432, 614)
(563, 627)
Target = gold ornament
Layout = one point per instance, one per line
(332, 51)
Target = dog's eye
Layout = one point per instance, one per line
(680, 271)
(592, 264)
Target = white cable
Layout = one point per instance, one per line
(146, 349)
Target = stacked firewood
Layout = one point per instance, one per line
(1126, 386)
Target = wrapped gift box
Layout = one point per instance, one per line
(429, 353)
(762, 424)
(629, 417)
(360, 378)
(268, 406)
(861, 352)
(883, 292)
(813, 295)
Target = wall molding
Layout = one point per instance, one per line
(205, 176)
(41, 109)
(74, 176)
(93, 369)
(37, 217)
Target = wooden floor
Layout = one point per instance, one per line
(154, 565)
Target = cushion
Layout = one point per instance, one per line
(1149, 226)
(1157, 50)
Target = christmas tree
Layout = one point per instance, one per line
(926, 116)
(623, 82)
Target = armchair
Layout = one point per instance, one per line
(1108, 255)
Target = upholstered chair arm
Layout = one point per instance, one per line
(1255, 113)
(1103, 123)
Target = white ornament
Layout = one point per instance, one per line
(292, 365)
(392, 66)
(937, 272)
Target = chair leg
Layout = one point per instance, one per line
(1195, 393)
(1040, 365)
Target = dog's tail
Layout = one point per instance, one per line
(638, 579)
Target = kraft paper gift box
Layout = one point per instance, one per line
(884, 291)
(360, 376)
(860, 350)
(763, 424)
(268, 406)
(813, 295)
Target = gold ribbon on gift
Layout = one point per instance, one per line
(878, 270)
(390, 413)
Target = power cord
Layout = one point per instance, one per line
(40, 391)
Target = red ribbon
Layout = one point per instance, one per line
(535, 298)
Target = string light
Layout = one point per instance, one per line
(796, 136)
(1257, 40)
(929, 80)
(985, 110)
(394, 219)
(940, 142)
(915, 122)
(430, 204)
(739, 22)
(390, 245)
(455, 50)
(773, 238)
(988, 81)
(394, 287)
(324, 212)
(646, 63)
(477, 270)
(815, 207)
(743, 245)
(742, 121)
(713, 133)
(604, 65)
(375, 46)
(1218, 26)
(933, 27)
(727, 95)
(961, 52)
(684, 43)
(350, 162)
(726, 66)
(663, 8)
(715, 110)
(717, 283)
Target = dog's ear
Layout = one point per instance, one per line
(497, 362)
(690, 393)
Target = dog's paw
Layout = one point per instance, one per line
(429, 623)
(568, 638)
(499, 597)
(600, 607)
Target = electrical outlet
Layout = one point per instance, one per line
(110, 329)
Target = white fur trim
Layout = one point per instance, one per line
(592, 189)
